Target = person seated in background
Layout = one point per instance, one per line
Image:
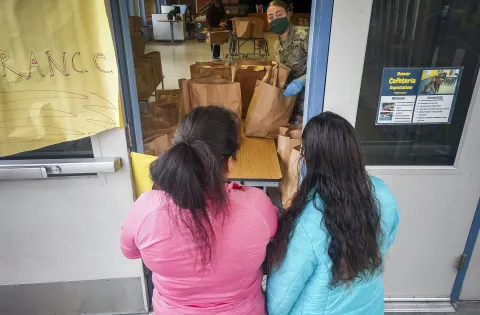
(203, 239)
(328, 253)
(189, 23)
(174, 14)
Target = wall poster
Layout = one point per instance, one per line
(58, 73)
(418, 95)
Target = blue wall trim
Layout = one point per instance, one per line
(468, 251)
(123, 49)
(320, 25)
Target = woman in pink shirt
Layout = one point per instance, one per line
(203, 239)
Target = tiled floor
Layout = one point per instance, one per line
(176, 60)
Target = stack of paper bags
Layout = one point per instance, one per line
(269, 109)
(210, 91)
(160, 121)
(288, 149)
(148, 67)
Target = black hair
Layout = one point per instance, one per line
(193, 171)
(336, 175)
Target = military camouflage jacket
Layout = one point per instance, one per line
(293, 51)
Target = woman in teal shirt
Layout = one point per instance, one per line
(328, 253)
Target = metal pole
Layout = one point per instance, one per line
(130, 7)
(157, 5)
(123, 49)
(136, 8)
(142, 12)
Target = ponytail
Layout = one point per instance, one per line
(192, 172)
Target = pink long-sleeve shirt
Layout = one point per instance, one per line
(232, 282)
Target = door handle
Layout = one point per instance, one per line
(22, 173)
(43, 169)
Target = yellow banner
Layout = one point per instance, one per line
(58, 73)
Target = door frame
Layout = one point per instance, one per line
(123, 48)
(317, 60)
(466, 257)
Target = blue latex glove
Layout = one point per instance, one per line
(295, 87)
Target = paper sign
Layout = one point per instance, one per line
(418, 95)
(58, 73)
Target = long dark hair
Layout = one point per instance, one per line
(335, 172)
(193, 171)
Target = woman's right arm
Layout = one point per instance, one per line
(130, 228)
(267, 210)
(286, 283)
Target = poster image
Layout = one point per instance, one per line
(386, 116)
(418, 95)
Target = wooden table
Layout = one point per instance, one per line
(257, 163)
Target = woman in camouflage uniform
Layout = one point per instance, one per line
(291, 49)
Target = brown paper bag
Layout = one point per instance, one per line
(247, 72)
(159, 145)
(145, 65)
(268, 111)
(211, 69)
(283, 73)
(156, 66)
(149, 135)
(149, 122)
(247, 76)
(289, 184)
(167, 96)
(284, 130)
(227, 95)
(285, 145)
(256, 28)
(241, 27)
(184, 105)
(173, 108)
(143, 85)
(217, 37)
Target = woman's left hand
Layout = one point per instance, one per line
(295, 87)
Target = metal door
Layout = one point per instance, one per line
(434, 173)
(60, 226)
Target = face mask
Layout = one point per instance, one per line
(279, 26)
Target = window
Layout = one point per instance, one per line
(67, 150)
(417, 33)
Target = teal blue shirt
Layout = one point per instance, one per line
(301, 284)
